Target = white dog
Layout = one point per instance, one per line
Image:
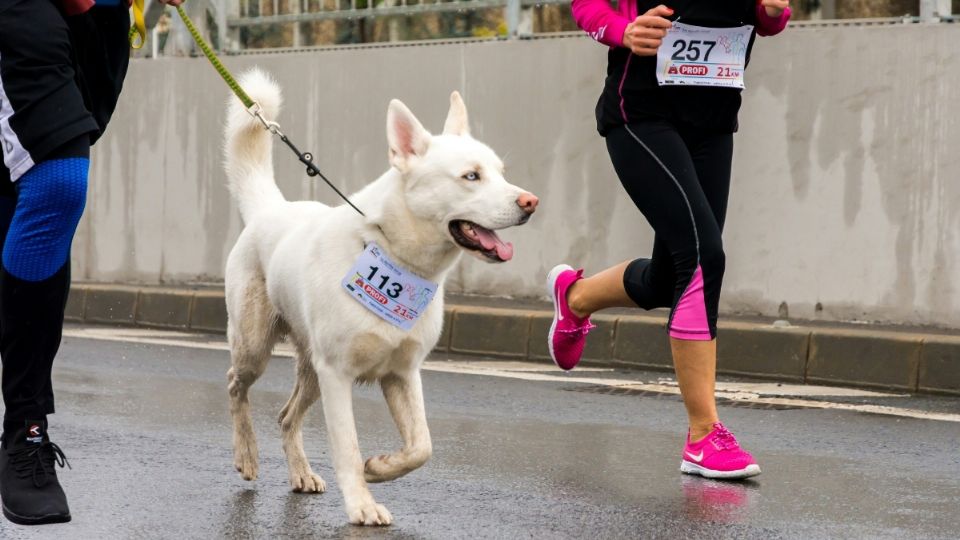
(288, 273)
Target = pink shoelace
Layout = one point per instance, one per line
(723, 438)
(578, 331)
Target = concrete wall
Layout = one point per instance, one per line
(846, 191)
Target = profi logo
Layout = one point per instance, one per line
(34, 430)
(694, 70)
(375, 294)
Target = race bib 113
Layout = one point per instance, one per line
(699, 56)
(393, 293)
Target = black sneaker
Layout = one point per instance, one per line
(29, 487)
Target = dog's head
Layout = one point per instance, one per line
(456, 182)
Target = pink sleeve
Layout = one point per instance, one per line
(601, 21)
(771, 26)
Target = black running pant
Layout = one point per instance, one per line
(680, 180)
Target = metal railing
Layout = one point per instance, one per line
(237, 20)
(306, 11)
(351, 9)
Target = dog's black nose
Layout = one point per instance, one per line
(528, 201)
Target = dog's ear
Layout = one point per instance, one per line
(405, 135)
(457, 123)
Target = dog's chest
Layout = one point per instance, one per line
(381, 349)
(375, 356)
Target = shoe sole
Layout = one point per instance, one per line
(552, 290)
(687, 467)
(36, 520)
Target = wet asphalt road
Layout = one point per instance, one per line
(146, 428)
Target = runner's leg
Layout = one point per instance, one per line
(658, 172)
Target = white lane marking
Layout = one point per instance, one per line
(466, 368)
(778, 389)
(161, 337)
(751, 392)
(739, 388)
(518, 365)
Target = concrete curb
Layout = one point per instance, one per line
(851, 356)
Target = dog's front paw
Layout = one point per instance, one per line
(307, 482)
(369, 514)
(392, 466)
(245, 461)
(379, 469)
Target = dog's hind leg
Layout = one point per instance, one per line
(252, 330)
(404, 395)
(305, 393)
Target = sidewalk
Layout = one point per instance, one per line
(912, 360)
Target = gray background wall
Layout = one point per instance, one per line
(846, 190)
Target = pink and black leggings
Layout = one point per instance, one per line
(680, 180)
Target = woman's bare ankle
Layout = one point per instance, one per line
(575, 300)
(699, 430)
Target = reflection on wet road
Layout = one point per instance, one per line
(146, 428)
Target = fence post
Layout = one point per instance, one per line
(828, 9)
(229, 36)
(945, 8)
(513, 18)
(934, 10)
(296, 8)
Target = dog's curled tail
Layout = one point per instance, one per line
(248, 147)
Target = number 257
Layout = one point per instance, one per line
(691, 50)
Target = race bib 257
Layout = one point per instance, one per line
(699, 56)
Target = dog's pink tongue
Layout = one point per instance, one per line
(490, 240)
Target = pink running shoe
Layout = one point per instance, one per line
(568, 333)
(718, 455)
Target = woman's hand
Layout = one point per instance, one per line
(775, 8)
(645, 34)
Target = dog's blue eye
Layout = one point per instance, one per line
(472, 176)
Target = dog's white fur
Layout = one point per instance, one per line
(283, 280)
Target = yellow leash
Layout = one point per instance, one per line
(138, 37)
(251, 106)
(139, 28)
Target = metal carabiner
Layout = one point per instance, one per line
(256, 111)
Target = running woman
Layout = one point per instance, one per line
(668, 112)
(62, 64)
